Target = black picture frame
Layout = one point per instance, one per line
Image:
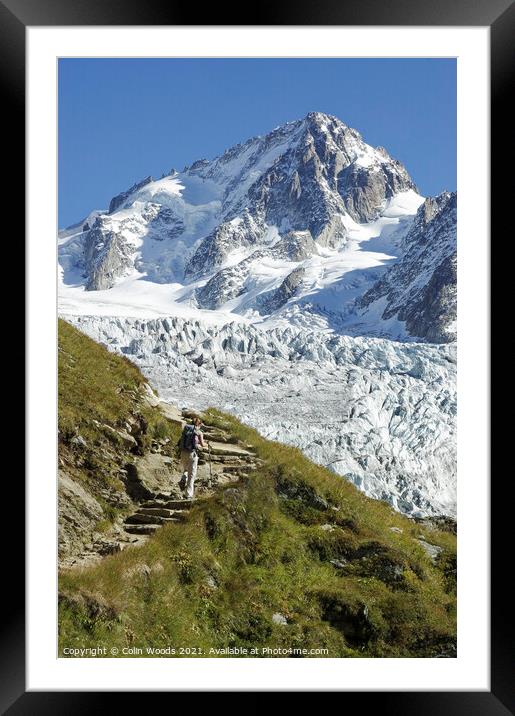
(499, 15)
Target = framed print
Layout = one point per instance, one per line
(258, 354)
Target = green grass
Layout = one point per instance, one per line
(100, 396)
(257, 548)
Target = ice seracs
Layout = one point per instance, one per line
(380, 412)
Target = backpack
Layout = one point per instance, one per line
(188, 438)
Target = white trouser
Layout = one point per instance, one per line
(189, 462)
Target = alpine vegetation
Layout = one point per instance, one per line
(274, 556)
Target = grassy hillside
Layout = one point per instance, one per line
(99, 391)
(105, 420)
(292, 557)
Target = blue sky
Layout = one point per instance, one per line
(123, 119)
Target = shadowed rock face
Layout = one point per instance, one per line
(435, 308)
(273, 300)
(363, 192)
(118, 200)
(244, 231)
(229, 283)
(297, 246)
(224, 285)
(106, 257)
(420, 288)
(79, 512)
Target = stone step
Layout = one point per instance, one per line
(142, 529)
(158, 511)
(235, 468)
(223, 460)
(228, 449)
(214, 434)
(179, 504)
(138, 518)
(247, 466)
(168, 504)
(227, 454)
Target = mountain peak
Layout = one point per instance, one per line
(321, 118)
(295, 194)
(328, 123)
(317, 116)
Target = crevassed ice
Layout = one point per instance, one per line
(380, 413)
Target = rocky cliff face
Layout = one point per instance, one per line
(323, 171)
(420, 288)
(106, 256)
(273, 300)
(120, 199)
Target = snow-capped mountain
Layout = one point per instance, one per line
(295, 280)
(307, 216)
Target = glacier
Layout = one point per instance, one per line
(379, 412)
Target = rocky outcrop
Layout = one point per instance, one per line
(364, 192)
(148, 474)
(244, 231)
(118, 200)
(273, 300)
(420, 289)
(107, 256)
(227, 283)
(79, 514)
(296, 246)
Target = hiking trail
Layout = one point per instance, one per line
(224, 460)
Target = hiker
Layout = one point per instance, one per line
(191, 440)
